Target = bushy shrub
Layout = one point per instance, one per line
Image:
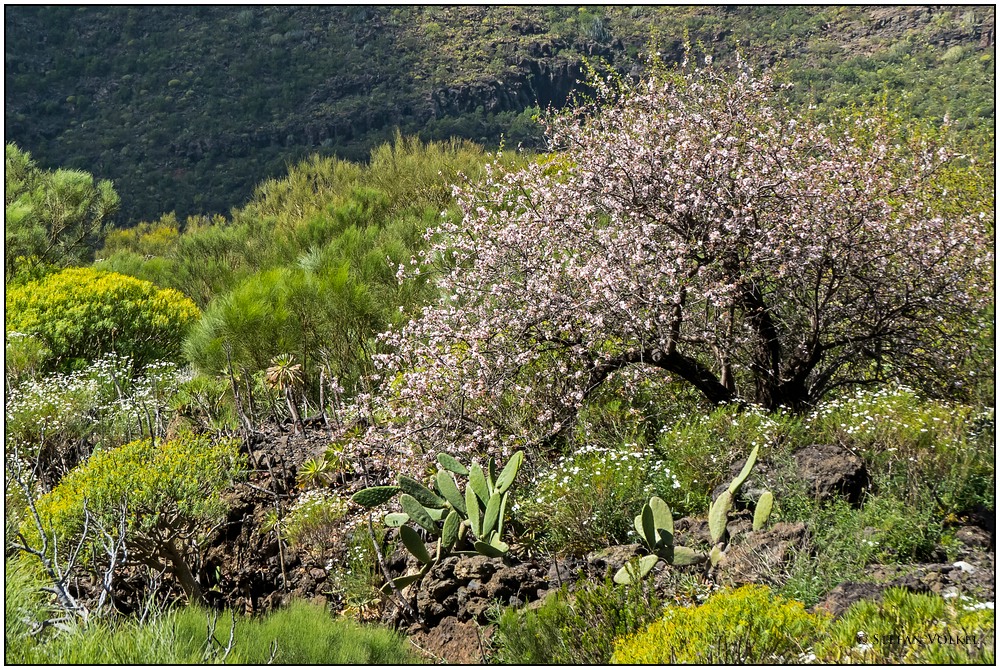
(701, 449)
(55, 421)
(911, 628)
(747, 625)
(51, 217)
(315, 519)
(24, 357)
(945, 446)
(81, 313)
(167, 492)
(587, 499)
(576, 628)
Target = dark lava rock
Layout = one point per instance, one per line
(613, 558)
(692, 532)
(832, 471)
(974, 537)
(760, 557)
(840, 599)
(564, 571)
(475, 567)
(453, 641)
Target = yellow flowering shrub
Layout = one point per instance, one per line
(912, 628)
(746, 625)
(169, 491)
(182, 478)
(80, 313)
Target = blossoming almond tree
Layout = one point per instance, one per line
(687, 226)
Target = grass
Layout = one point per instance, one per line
(301, 633)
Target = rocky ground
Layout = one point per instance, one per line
(245, 567)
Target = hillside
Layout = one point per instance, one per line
(187, 108)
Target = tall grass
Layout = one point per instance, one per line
(301, 633)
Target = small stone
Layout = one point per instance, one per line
(474, 567)
(965, 567)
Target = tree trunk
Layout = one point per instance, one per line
(183, 573)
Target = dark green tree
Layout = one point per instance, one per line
(53, 219)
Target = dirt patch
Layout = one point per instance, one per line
(453, 641)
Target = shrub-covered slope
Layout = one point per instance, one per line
(186, 108)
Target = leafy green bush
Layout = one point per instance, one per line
(81, 313)
(747, 625)
(577, 628)
(586, 500)
(24, 357)
(51, 217)
(168, 493)
(313, 520)
(946, 447)
(911, 628)
(55, 421)
(701, 449)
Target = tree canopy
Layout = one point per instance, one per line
(51, 218)
(689, 225)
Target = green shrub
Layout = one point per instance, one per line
(911, 628)
(701, 449)
(576, 628)
(315, 519)
(51, 217)
(907, 439)
(168, 492)
(24, 357)
(81, 313)
(587, 499)
(55, 421)
(747, 625)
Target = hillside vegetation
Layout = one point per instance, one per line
(186, 109)
(704, 374)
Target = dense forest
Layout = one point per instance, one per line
(187, 109)
(518, 335)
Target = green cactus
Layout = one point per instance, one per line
(375, 495)
(415, 545)
(744, 473)
(506, 477)
(718, 515)
(449, 533)
(763, 511)
(448, 514)
(421, 493)
(655, 527)
(449, 489)
(451, 464)
(417, 513)
(477, 480)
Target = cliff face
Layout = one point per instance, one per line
(186, 108)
